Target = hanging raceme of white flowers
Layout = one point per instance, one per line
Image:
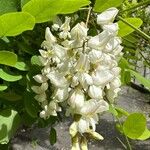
(83, 72)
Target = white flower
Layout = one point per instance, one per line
(50, 39)
(101, 78)
(79, 32)
(76, 100)
(82, 63)
(40, 78)
(65, 29)
(95, 56)
(40, 89)
(89, 114)
(66, 25)
(99, 41)
(57, 79)
(107, 16)
(61, 94)
(92, 107)
(60, 51)
(41, 97)
(112, 44)
(55, 27)
(112, 28)
(95, 92)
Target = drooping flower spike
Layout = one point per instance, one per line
(82, 70)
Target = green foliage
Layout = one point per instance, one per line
(135, 125)
(8, 6)
(8, 77)
(3, 87)
(31, 105)
(101, 5)
(8, 58)
(53, 136)
(46, 10)
(125, 29)
(10, 121)
(12, 24)
(141, 79)
(125, 74)
(10, 96)
(21, 66)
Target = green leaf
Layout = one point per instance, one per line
(125, 29)
(8, 58)
(8, 77)
(141, 79)
(36, 61)
(9, 122)
(31, 105)
(23, 2)
(121, 112)
(134, 125)
(145, 135)
(53, 136)
(125, 74)
(3, 87)
(21, 66)
(101, 5)
(10, 96)
(12, 24)
(8, 6)
(46, 10)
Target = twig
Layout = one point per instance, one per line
(88, 16)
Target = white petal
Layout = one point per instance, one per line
(40, 97)
(99, 41)
(95, 56)
(79, 32)
(49, 36)
(40, 89)
(76, 99)
(83, 125)
(40, 78)
(62, 94)
(101, 78)
(107, 16)
(95, 92)
(113, 28)
(57, 79)
(82, 63)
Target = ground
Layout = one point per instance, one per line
(130, 99)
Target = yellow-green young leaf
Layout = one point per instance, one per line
(125, 29)
(21, 66)
(8, 58)
(8, 77)
(141, 79)
(12, 24)
(9, 122)
(45, 10)
(101, 5)
(23, 2)
(134, 126)
(145, 135)
(8, 6)
(3, 87)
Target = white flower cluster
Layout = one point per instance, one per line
(81, 70)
